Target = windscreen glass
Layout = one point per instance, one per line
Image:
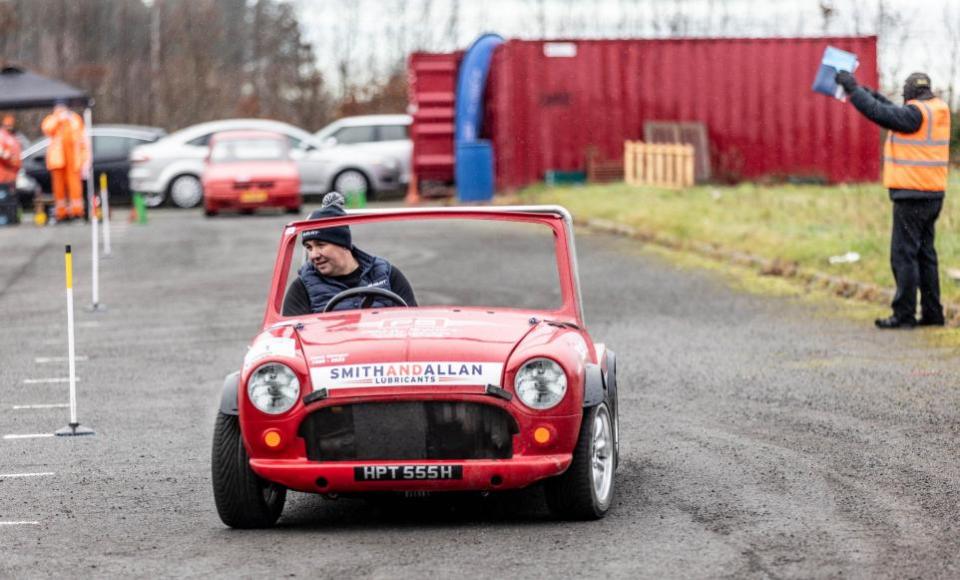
(462, 262)
(249, 150)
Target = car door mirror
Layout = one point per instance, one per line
(299, 154)
(329, 141)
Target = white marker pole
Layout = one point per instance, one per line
(71, 343)
(105, 201)
(73, 428)
(91, 202)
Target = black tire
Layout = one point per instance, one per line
(572, 494)
(294, 210)
(243, 499)
(210, 212)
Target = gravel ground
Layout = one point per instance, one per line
(760, 437)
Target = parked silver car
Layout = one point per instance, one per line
(171, 167)
(387, 135)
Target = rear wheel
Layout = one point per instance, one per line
(585, 490)
(186, 191)
(352, 181)
(244, 499)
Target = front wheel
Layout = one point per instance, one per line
(585, 490)
(244, 500)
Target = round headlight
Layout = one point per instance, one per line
(540, 383)
(273, 388)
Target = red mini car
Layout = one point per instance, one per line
(423, 399)
(247, 170)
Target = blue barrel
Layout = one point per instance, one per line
(474, 171)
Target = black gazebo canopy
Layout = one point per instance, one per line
(20, 89)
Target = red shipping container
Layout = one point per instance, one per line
(432, 80)
(549, 101)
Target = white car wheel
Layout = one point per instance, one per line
(351, 181)
(186, 191)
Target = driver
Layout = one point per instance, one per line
(334, 264)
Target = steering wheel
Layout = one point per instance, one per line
(369, 292)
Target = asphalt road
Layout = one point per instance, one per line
(760, 437)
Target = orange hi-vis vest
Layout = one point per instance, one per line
(919, 160)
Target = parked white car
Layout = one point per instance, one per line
(170, 169)
(387, 135)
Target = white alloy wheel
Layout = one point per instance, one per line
(186, 191)
(602, 458)
(351, 181)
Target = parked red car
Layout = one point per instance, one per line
(247, 170)
(421, 399)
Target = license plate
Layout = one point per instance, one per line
(253, 196)
(407, 472)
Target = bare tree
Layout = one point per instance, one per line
(951, 19)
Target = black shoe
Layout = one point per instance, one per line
(931, 322)
(895, 322)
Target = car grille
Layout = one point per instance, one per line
(409, 430)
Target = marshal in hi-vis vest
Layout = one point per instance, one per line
(919, 160)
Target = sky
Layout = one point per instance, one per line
(369, 34)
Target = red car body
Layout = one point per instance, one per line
(461, 359)
(247, 182)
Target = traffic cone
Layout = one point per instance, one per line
(413, 191)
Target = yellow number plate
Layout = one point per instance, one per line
(253, 196)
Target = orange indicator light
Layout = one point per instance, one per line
(541, 435)
(272, 438)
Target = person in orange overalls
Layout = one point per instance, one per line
(66, 156)
(9, 155)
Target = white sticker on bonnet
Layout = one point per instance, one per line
(404, 374)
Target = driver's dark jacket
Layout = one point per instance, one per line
(311, 291)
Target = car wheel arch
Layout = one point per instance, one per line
(229, 403)
(594, 389)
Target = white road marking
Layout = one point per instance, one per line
(49, 359)
(28, 436)
(41, 406)
(19, 523)
(12, 475)
(46, 381)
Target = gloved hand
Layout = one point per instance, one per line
(846, 80)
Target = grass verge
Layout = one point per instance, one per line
(798, 227)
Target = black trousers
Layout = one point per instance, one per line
(914, 259)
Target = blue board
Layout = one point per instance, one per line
(834, 60)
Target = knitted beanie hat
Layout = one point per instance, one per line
(332, 207)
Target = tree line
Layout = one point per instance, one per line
(171, 63)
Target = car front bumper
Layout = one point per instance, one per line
(385, 179)
(313, 461)
(478, 475)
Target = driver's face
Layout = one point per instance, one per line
(330, 259)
